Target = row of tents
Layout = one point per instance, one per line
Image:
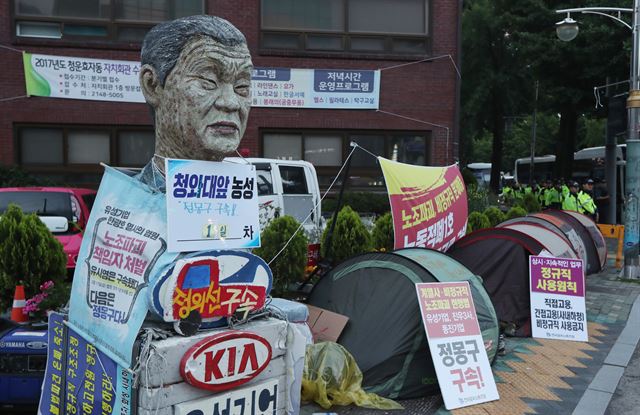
(376, 291)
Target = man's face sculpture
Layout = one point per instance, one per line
(202, 109)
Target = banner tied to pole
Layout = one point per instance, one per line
(428, 204)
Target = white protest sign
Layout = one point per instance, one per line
(456, 345)
(211, 205)
(558, 309)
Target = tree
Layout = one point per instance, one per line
(29, 253)
(350, 237)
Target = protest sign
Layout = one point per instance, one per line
(428, 204)
(123, 242)
(79, 379)
(558, 309)
(211, 205)
(456, 345)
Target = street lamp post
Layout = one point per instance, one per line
(567, 30)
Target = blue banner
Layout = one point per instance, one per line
(124, 243)
(80, 379)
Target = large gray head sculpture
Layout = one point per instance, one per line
(196, 76)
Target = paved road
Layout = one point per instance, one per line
(626, 399)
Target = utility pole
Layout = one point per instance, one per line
(534, 127)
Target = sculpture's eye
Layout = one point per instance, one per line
(242, 90)
(208, 84)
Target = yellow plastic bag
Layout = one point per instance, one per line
(331, 377)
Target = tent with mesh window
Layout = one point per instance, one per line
(385, 333)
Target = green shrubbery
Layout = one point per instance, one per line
(29, 253)
(477, 220)
(350, 237)
(495, 215)
(516, 212)
(290, 265)
(382, 234)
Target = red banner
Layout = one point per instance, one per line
(428, 204)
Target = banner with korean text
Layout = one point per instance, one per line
(123, 244)
(116, 80)
(211, 205)
(456, 344)
(428, 204)
(558, 309)
(79, 379)
(315, 88)
(82, 78)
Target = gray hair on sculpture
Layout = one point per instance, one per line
(164, 42)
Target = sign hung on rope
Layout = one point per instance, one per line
(116, 80)
(456, 344)
(428, 204)
(225, 361)
(81, 379)
(124, 241)
(211, 205)
(315, 88)
(558, 309)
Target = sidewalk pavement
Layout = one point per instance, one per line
(540, 376)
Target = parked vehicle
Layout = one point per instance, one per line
(289, 187)
(56, 207)
(23, 358)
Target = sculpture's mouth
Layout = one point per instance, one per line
(223, 127)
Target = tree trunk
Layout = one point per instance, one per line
(565, 147)
(496, 150)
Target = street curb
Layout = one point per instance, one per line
(597, 397)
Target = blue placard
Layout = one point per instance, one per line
(80, 379)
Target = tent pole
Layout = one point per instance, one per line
(334, 219)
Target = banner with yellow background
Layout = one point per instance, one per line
(428, 204)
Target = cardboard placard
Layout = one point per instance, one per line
(326, 326)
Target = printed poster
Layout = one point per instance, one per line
(558, 309)
(428, 204)
(79, 379)
(82, 78)
(211, 205)
(125, 240)
(315, 88)
(456, 344)
(117, 81)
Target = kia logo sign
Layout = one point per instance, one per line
(226, 360)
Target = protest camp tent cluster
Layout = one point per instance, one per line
(385, 333)
(501, 257)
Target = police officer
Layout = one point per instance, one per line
(553, 196)
(571, 201)
(586, 204)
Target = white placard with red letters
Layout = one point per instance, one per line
(456, 345)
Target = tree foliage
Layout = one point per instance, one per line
(507, 46)
(382, 234)
(29, 253)
(350, 237)
(289, 266)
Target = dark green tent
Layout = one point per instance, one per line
(385, 332)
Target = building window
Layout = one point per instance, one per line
(356, 26)
(111, 20)
(72, 154)
(327, 150)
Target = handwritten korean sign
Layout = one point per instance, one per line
(428, 204)
(558, 309)
(315, 88)
(79, 379)
(211, 205)
(456, 345)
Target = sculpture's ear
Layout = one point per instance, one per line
(150, 85)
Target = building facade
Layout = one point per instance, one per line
(414, 44)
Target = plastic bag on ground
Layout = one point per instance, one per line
(331, 377)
